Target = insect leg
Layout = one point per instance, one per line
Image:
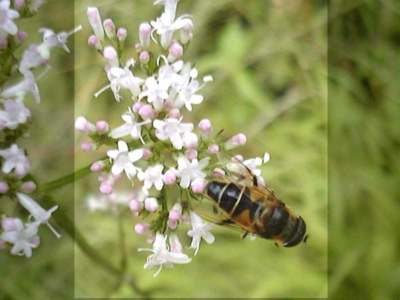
(245, 234)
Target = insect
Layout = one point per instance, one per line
(256, 209)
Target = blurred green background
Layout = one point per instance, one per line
(270, 64)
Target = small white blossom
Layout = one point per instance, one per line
(123, 159)
(162, 255)
(122, 79)
(172, 129)
(14, 113)
(14, 158)
(200, 230)
(23, 237)
(131, 127)
(7, 15)
(152, 176)
(166, 25)
(21, 88)
(37, 212)
(156, 92)
(190, 170)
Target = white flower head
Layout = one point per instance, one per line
(162, 255)
(190, 170)
(200, 230)
(172, 129)
(14, 113)
(15, 159)
(152, 177)
(131, 127)
(52, 39)
(23, 237)
(123, 159)
(37, 212)
(156, 91)
(7, 16)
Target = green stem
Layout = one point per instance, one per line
(91, 253)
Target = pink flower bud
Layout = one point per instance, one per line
(21, 36)
(205, 126)
(144, 34)
(144, 57)
(97, 166)
(176, 212)
(106, 188)
(191, 154)
(111, 55)
(146, 112)
(235, 141)
(3, 187)
(175, 51)
(122, 33)
(136, 106)
(237, 158)
(28, 187)
(95, 21)
(174, 113)
(102, 127)
(83, 125)
(9, 224)
(109, 28)
(141, 228)
(151, 204)
(93, 41)
(213, 149)
(186, 33)
(146, 153)
(198, 185)
(135, 205)
(19, 3)
(169, 177)
(87, 146)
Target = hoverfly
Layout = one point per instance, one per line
(255, 209)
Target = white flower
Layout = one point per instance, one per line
(166, 25)
(190, 170)
(14, 113)
(156, 92)
(131, 127)
(52, 39)
(20, 89)
(152, 176)
(123, 159)
(7, 25)
(23, 237)
(122, 78)
(37, 212)
(14, 158)
(161, 255)
(97, 203)
(254, 163)
(173, 130)
(200, 230)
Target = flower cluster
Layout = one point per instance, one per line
(18, 80)
(164, 160)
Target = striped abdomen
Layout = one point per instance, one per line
(268, 219)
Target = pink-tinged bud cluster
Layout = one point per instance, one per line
(235, 141)
(146, 111)
(87, 146)
(93, 41)
(175, 51)
(213, 149)
(83, 125)
(106, 188)
(135, 205)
